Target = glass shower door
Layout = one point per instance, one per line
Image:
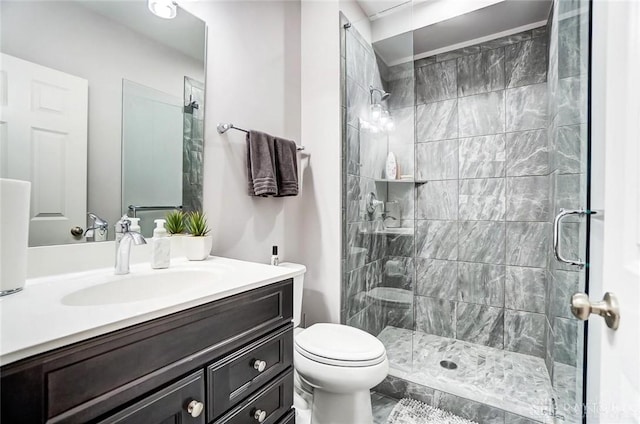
(468, 298)
(568, 84)
(378, 217)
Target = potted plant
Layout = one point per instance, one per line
(175, 222)
(198, 244)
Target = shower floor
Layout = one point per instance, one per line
(506, 380)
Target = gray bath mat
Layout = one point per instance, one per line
(411, 411)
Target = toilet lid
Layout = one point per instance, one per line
(336, 344)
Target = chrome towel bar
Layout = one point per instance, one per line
(223, 128)
(134, 209)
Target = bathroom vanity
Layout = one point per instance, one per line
(223, 357)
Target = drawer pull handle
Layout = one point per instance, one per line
(195, 408)
(260, 415)
(260, 366)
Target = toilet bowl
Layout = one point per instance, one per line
(341, 364)
(335, 367)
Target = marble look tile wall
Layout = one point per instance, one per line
(193, 147)
(482, 217)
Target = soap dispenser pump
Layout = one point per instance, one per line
(135, 224)
(160, 246)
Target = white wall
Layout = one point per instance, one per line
(275, 66)
(321, 132)
(253, 81)
(72, 39)
(321, 210)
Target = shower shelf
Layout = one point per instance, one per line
(402, 181)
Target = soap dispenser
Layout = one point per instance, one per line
(135, 224)
(160, 246)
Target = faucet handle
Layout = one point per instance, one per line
(98, 222)
(123, 225)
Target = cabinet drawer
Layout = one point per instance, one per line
(236, 376)
(274, 401)
(169, 405)
(290, 418)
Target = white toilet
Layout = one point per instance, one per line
(336, 366)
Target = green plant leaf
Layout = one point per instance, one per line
(175, 222)
(197, 224)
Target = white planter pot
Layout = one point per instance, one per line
(177, 244)
(197, 248)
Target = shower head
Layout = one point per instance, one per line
(383, 94)
(188, 108)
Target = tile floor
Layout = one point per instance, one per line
(510, 381)
(382, 407)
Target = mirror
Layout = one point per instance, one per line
(102, 109)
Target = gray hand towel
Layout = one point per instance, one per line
(261, 165)
(286, 167)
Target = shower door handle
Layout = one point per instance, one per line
(608, 308)
(556, 235)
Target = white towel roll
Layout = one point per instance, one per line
(303, 164)
(14, 233)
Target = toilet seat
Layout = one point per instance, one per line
(339, 345)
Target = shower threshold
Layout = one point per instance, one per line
(506, 380)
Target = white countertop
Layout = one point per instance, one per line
(37, 319)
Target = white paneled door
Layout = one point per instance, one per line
(614, 356)
(43, 126)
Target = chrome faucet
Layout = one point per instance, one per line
(123, 250)
(99, 225)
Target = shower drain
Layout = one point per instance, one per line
(450, 365)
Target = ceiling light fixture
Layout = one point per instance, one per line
(165, 9)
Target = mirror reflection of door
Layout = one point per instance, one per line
(151, 151)
(44, 141)
(119, 40)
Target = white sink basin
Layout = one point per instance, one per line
(78, 306)
(138, 287)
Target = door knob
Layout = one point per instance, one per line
(195, 408)
(77, 232)
(608, 308)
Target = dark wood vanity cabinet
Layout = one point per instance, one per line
(228, 361)
(173, 404)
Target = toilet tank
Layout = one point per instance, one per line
(298, 282)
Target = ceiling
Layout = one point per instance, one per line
(135, 15)
(495, 19)
(373, 7)
(436, 26)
